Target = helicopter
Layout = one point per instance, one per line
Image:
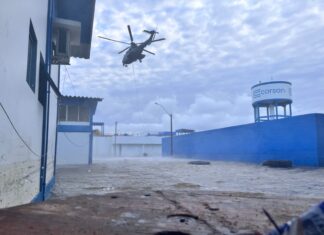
(135, 50)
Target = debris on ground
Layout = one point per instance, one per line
(199, 163)
(278, 163)
(167, 196)
(310, 223)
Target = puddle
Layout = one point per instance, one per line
(183, 218)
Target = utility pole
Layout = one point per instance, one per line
(171, 136)
(115, 140)
(171, 127)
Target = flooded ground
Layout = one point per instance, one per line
(157, 196)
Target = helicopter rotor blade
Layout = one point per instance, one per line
(113, 40)
(130, 33)
(160, 39)
(123, 50)
(149, 52)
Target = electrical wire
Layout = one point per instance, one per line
(67, 71)
(72, 142)
(18, 134)
(133, 71)
(63, 82)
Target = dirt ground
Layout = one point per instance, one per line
(167, 196)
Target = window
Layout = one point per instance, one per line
(62, 112)
(72, 113)
(62, 41)
(32, 57)
(83, 114)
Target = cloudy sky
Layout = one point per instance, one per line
(214, 52)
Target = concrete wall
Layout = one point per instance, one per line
(320, 139)
(19, 168)
(126, 146)
(102, 147)
(299, 139)
(73, 148)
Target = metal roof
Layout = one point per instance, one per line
(81, 98)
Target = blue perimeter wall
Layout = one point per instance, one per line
(299, 139)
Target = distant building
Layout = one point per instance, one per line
(275, 137)
(36, 38)
(75, 129)
(184, 131)
(105, 147)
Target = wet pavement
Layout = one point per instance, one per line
(122, 174)
(160, 195)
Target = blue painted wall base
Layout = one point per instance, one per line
(48, 189)
(299, 139)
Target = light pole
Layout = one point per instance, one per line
(115, 140)
(171, 133)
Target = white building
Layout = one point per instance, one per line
(126, 146)
(75, 124)
(36, 37)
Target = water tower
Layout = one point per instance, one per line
(271, 100)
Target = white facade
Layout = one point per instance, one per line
(73, 148)
(30, 51)
(126, 146)
(19, 167)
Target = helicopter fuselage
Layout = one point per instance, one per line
(135, 52)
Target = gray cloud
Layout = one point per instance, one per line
(214, 52)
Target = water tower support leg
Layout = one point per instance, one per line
(254, 114)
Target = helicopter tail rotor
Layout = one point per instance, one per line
(154, 33)
(150, 32)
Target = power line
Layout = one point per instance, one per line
(67, 71)
(72, 142)
(16, 131)
(63, 83)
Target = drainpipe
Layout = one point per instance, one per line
(47, 104)
(57, 119)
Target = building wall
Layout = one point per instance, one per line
(19, 168)
(102, 147)
(73, 148)
(299, 139)
(320, 133)
(126, 146)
